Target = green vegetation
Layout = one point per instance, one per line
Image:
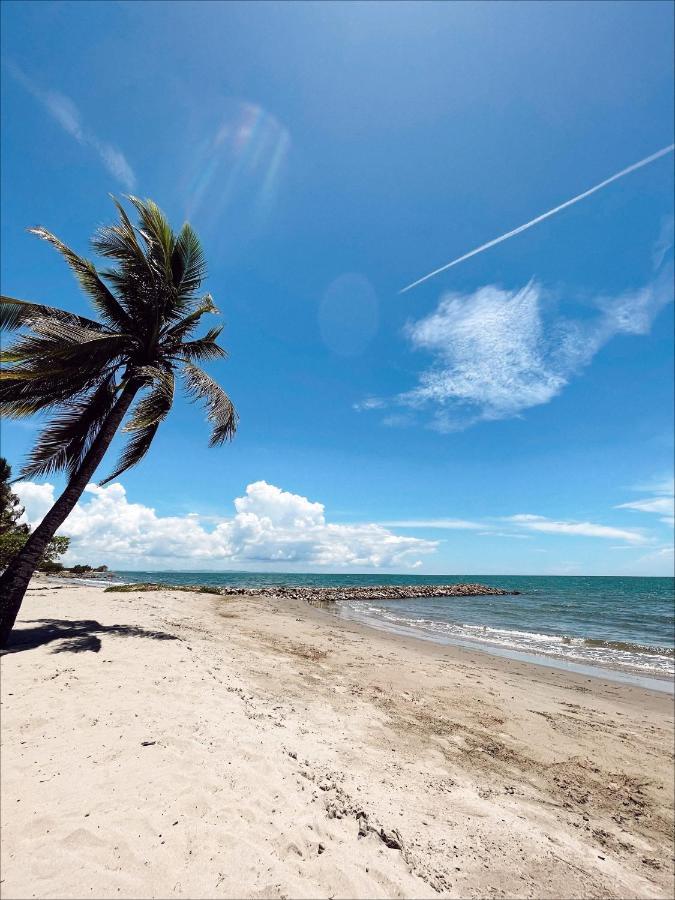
(91, 371)
(13, 536)
(147, 586)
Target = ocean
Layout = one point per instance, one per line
(619, 624)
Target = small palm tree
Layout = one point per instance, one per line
(89, 371)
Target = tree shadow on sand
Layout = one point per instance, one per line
(74, 635)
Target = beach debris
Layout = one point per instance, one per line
(148, 743)
(363, 825)
(321, 848)
(392, 839)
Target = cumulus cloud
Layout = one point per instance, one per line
(269, 526)
(65, 112)
(36, 499)
(583, 529)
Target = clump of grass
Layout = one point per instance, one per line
(129, 588)
(148, 586)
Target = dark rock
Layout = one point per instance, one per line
(391, 838)
(377, 592)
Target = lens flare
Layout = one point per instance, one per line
(238, 172)
(348, 315)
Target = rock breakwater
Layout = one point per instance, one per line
(329, 595)
(376, 592)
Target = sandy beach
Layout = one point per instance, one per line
(176, 744)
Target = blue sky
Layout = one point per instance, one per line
(513, 414)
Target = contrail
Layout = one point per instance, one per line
(546, 215)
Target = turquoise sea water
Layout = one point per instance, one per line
(625, 624)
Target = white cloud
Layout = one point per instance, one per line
(459, 524)
(489, 363)
(661, 555)
(664, 486)
(269, 526)
(583, 529)
(661, 503)
(369, 403)
(37, 500)
(65, 112)
(652, 505)
(497, 353)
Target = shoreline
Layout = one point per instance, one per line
(337, 600)
(528, 667)
(661, 683)
(178, 744)
(328, 611)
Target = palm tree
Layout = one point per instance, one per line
(89, 372)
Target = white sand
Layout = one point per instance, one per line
(271, 726)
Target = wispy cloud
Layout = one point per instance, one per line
(581, 529)
(493, 527)
(454, 524)
(369, 403)
(551, 212)
(664, 554)
(65, 112)
(665, 241)
(660, 503)
(498, 352)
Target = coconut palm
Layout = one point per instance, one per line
(88, 373)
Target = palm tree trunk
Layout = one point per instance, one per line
(14, 580)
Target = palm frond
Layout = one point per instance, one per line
(85, 272)
(146, 416)
(27, 390)
(220, 409)
(71, 333)
(204, 348)
(181, 329)
(38, 348)
(156, 232)
(135, 450)
(188, 265)
(155, 405)
(113, 242)
(65, 440)
(119, 242)
(15, 313)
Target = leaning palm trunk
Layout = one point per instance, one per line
(89, 371)
(15, 579)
